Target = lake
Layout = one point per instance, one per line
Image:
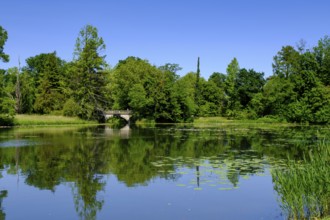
(162, 172)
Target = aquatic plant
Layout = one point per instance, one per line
(304, 186)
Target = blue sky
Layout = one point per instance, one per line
(167, 31)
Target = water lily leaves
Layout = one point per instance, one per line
(225, 189)
(245, 177)
(214, 171)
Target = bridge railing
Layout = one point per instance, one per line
(119, 112)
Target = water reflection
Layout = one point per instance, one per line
(3, 194)
(190, 157)
(123, 132)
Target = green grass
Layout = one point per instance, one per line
(207, 120)
(145, 121)
(225, 121)
(31, 120)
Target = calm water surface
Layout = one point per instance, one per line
(167, 172)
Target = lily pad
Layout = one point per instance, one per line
(227, 189)
(198, 189)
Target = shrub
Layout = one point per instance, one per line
(6, 120)
(71, 108)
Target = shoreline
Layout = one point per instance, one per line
(53, 120)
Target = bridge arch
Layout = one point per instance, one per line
(125, 114)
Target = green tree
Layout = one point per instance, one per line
(11, 87)
(219, 79)
(278, 93)
(297, 90)
(306, 78)
(313, 106)
(286, 62)
(48, 72)
(138, 100)
(167, 107)
(257, 106)
(127, 80)
(320, 99)
(145, 89)
(7, 103)
(7, 110)
(212, 99)
(87, 74)
(172, 68)
(248, 83)
(3, 38)
(27, 90)
(322, 55)
(185, 94)
(230, 89)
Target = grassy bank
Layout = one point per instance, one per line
(30, 120)
(212, 120)
(263, 122)
(216, 121)
(145, 121)
(219, 120)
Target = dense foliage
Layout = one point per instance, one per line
(297, 91)
(6, 101)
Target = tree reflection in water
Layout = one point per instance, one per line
(83, 157)
(3, 194)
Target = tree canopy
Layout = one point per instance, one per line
(88, 74)
(3, 38)
(6, 102)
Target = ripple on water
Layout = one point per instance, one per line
(17, 143)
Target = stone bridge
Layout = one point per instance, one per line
(125, 114)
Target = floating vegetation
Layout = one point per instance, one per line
(198, 188)
(226, 188)
(217, 171)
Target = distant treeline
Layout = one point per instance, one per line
(298, 90)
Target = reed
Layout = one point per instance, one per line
(304, 186)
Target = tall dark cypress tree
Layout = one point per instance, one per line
(198, 73)
(197, 86)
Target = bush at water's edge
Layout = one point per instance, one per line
(6, 120)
